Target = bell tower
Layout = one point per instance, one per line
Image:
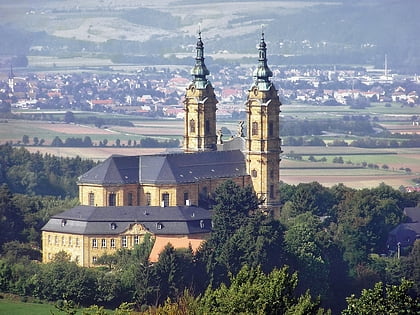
(200, 108)
(263, 141)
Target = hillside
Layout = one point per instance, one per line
(331, 32)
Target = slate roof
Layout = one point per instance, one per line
(406, 233)
(90, 220)
(172, 168)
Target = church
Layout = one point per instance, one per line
(166, 196)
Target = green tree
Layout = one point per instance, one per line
(25, 139)
(11, 220)
(69, 117)
(253, 292)
(233, 205)
(307, 253)
(384, 300)
(57, 142)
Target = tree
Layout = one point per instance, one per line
(57, 142)
(253, 292)
(383, 300)
(87, 142)
(306, 252)
(25, 139)
(11, 222)
(233, 205)
(69, 117)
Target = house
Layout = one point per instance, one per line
(405, 234)
(88, 232)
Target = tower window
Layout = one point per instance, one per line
(270, 129)
(271, 174)
(130, 199)
(91, 199)
(112, 199)
(254, 130)
(207, 126)
(165, 199)
(271, 191)
(254, 173)
(192, 125)
(148, 199)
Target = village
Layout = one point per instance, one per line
(158, 92)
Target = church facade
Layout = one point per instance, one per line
(167, 195)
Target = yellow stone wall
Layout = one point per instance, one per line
(101, 194)
(53, 242)
(176, 192)
(83, 251)
(263, 142)
(200, 107)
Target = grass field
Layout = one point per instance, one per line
(9, 307)
(327, 173)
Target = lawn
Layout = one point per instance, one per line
(9, 307)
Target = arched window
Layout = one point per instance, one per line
(270, 129)
(192, 125)
(254, 173)
(254, 130)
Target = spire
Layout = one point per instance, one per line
(200, 71)
(11, 74)
(262, 73)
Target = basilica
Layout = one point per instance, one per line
(166, 196)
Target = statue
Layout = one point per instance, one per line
(219, 136)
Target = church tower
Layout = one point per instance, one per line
(11, 81)
(263, 141)
(200, 108)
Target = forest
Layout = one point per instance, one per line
(325, 254)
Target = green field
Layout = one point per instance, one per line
(8, 307)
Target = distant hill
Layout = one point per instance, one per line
(298, 32)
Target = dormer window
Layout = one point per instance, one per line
(113, 226)
(112, 200)
(202, 224)
(159, 226)
(91, 199)
(63, 222)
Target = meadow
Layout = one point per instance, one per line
(360, 167)
(16, 307)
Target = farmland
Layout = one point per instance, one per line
(357, 169)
